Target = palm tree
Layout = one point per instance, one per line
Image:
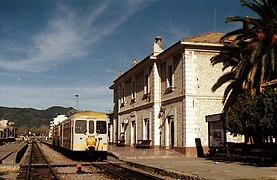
(250, 57)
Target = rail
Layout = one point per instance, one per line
(125, 173)
(32, 165)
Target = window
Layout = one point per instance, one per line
(133, 90)
(169, 76)
(122, 94)
(146, 129)
(91, 127)
(101, 127)
(80, 126)
(146, 83)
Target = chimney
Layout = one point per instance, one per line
(119, 73)
(134, 62)
(159, 41)
(157, 47)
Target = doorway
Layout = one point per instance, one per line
(172, 134)
(133, 133)
(169, 132)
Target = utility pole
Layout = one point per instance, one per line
(77, 101)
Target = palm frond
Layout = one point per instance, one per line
(257, 7)
(225, 78)
(251, 57)
(272, 58)
(230, 34)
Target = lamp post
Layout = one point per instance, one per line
(77, 101)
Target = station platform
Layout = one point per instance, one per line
(178, 166)
(10, 151)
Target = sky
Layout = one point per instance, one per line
(52, 50)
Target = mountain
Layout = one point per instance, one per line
(30, 117)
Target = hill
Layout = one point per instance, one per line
(32, 118)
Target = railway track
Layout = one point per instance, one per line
(125, 173)
(38, 167)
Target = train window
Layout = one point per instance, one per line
(101, 127)
(91, 127)
(80, 126)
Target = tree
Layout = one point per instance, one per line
(250, 56)
(254, 116)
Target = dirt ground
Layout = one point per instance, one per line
(9, 171)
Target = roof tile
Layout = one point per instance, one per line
(210, 37)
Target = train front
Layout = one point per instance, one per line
(96, 143)
(91, 136)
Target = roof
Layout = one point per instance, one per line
(209, 37)
(206, 39)
(139, 64)
(90, 114)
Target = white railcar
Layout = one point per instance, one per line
(83, 132)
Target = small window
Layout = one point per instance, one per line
(80, 126)
(146, 84)
(101, 127)
(169, 76)
(122, 94)
(133, 90)
(91, 127)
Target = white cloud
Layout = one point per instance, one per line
(68, 35)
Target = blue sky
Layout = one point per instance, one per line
(51, 50)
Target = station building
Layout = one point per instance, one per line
(166, 96)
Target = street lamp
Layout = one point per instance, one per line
(77, 101)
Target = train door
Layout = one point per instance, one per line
(66, 135)
(79, 140)
(102, 135)
(60, 140)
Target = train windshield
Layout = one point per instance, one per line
(101, 127)
(91, 127)
(80, 126)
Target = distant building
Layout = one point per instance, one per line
(54, 122)
(7, 129)
(166, 96)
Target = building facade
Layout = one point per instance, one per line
(166, 96)
(7, 129)
(55, 122)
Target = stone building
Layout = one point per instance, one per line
(166, 96)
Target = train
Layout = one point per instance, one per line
(83, 132)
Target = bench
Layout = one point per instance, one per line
(259, 156)
(121, 143)
(143, 144)
(229, 154)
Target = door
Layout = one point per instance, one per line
(133, 133)
(172, 133)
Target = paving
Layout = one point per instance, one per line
(177, 165)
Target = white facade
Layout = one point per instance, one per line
(172, 95)
(54, 122)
